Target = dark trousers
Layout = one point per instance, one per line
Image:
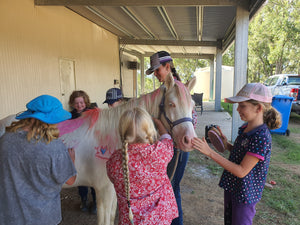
(236, 213)
(83, 192)
(182, 161)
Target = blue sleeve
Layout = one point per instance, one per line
(62, 165)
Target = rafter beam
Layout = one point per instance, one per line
(168, 22)
(109, 21)
(138, 21)
(199, 13)
(168, 42)
(174, 55)
(192, 56)
(138, 2)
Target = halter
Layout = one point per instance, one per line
(176, 122)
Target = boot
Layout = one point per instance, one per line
(84, 205)
(93, 208)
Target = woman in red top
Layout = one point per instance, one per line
(138, 171)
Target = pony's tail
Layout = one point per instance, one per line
(125, 160)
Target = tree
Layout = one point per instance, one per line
(187, 67)
(228, 57)
(274, 40)
(184, 67)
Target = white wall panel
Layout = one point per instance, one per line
(34, 38)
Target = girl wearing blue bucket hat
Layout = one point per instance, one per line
(34, 164)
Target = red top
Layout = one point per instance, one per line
(151, 195)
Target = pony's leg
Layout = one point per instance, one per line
(105, 200)
(113, 210)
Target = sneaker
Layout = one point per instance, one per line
(83, 206)
(93, 208)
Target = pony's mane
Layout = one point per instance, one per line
(183, 93)
(106, 130)
(109, 118)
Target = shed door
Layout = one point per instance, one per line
(67, 80)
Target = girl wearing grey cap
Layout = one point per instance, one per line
(161, 64)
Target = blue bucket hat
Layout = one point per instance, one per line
(157, 59)
(45, 108)
(113, 95)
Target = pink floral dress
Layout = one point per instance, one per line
(151, 195)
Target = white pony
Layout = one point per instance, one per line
(94, 136)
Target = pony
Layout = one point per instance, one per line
(94, 136)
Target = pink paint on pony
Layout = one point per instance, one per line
(93, 114)
(154, 95)
(69, 126)
(106, 150)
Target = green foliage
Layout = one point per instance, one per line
(184, 67)
(274, 41)
(228, 57)
(187, 67)
(274, 38)
(284, 197)
(227, 107)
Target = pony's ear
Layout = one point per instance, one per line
(191, 84)
(169, 81)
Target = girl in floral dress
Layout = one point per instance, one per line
(138, 171)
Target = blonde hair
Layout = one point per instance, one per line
(135, 126)
(38, 130)
(271, 116)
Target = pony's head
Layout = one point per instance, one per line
(176, 111)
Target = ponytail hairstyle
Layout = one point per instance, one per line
(271, 116)
(135, 126)
(173, 70)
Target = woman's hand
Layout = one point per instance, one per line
(160, 127)
(202, 146)
(72, 179)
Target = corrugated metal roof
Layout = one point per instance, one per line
(189, 28)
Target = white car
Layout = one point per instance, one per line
(286, 84)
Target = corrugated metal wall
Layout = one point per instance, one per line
(33, 40)
(203, 79)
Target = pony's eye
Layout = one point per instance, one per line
(171, 104)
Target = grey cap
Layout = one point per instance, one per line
(157, 59)
(113, 95)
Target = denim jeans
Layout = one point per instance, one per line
(182, 161)
(83, 192)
